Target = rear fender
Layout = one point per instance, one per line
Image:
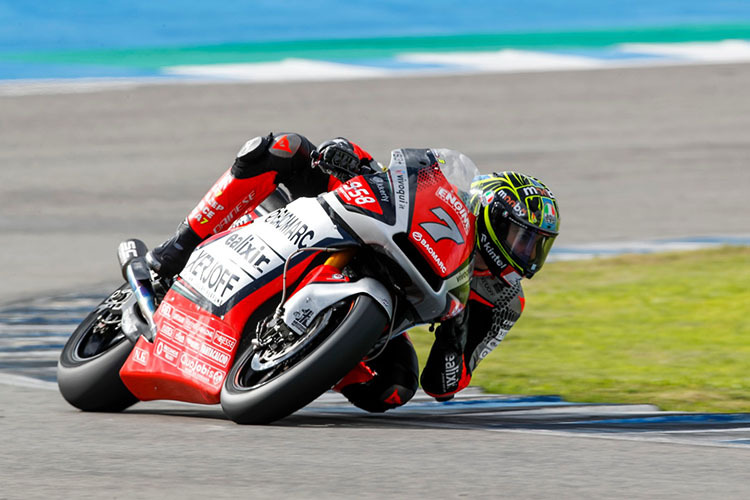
(311, 300)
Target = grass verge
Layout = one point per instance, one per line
(667, 329)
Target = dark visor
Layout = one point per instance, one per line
(527, 246)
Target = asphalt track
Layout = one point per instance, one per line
(632, 154)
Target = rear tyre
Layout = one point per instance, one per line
(88, 372)
(263, 387)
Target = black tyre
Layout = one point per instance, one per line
(259, 396)
(88, 372)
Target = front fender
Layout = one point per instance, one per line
(307, 303)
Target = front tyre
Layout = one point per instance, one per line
(88, 372)
(265, 386)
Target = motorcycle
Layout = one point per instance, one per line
(269, 314)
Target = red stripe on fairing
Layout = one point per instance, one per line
(475, 296)
(240, 313)
(333, 183)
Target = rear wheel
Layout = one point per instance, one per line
(88, 372)
(283, 374)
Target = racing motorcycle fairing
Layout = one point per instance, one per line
(410, 217)
(420, 220)
(231, 278)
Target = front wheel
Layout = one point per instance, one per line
(88, 373)
(272, 381)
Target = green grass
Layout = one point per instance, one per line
(669, 329)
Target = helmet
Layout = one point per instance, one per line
(517, 223)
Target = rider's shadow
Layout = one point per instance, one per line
(413, 415)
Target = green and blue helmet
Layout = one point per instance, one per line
(517, 223)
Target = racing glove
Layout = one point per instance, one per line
(338, 157)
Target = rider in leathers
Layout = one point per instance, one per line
(513, 238)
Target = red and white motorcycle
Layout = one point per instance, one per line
(267, 316)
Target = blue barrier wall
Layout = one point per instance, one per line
(101, 24)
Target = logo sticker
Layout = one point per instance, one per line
(447, 230)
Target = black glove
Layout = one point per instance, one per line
(337, 158)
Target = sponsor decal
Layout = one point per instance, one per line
(463, 276)
(539, 191)
(179, 337)
(251, 249)
(285, 146)
(193, 343)
(455, 203)
(216, 281)
(214, 354)
(380, 185)
(282, 143)
(224, 341)
(512, 202)
(127, 250)
(232, 215)
(488, 197)
(200, 370)
(302, 318)
(167, 330)
(178, 317)
(419, 238)
(165, 309)
(491, 342)
(140, 356)
(451, 371)
(491, 252)
(448, 230)
(167, 352)
(401, 190)
(209, 205)
(291, 226)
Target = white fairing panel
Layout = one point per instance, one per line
(234, 260)
(308, 303)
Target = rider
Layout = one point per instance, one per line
(516, 224)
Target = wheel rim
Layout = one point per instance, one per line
(103, 331)
(266, 359)
(257, 368)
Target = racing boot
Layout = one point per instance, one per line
(168, 259)
(386, 382)
(446, 371)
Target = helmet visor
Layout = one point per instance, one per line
(526, 246)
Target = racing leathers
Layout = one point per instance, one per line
(390, 379)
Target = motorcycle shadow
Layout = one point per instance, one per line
(342, 416)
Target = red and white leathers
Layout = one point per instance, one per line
(495, 303)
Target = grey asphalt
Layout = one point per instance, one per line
(632, 154)
(164, 450)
